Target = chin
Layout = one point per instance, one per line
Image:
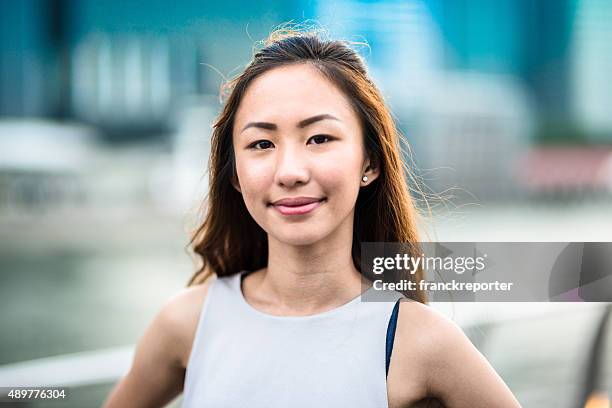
(298, 238)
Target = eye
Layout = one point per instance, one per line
(261, 145)
(320, 139)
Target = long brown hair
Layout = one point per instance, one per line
(229, 240)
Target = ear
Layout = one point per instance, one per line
(371, 169)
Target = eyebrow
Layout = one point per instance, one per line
(301, 124)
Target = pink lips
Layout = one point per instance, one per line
(297, 205)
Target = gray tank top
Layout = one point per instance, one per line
(243, 357)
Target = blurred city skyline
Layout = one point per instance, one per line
(82, 59)
(498, 101)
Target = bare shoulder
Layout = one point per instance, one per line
(186, 304)
(419, 327)
(427, 337)
(429, 340)
(425, 327)
(452, 369)
(180, 315)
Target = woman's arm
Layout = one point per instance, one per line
(455, 372)
(158, 369)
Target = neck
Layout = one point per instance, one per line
(308, 279)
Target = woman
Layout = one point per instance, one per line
(305, 165)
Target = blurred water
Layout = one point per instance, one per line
(68, 301)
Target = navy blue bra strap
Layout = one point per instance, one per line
(391, 334)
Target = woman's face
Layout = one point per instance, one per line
(300, 155)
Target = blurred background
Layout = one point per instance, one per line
(105, 115)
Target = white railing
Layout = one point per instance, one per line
(69, 370)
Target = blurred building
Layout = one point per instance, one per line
(34, 181)
(124, 67)
(567, 172)
(470, 134)
(591, 51)
(62, 169)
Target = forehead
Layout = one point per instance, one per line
(291, 93)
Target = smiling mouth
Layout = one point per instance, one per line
(298, 209)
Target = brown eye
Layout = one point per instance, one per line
(261, 145)
(320, 139)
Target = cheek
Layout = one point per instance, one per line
(255, 181)
(340, 174)
(254, 177)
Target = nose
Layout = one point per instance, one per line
(291, 167)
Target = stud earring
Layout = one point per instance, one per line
(364, 178)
